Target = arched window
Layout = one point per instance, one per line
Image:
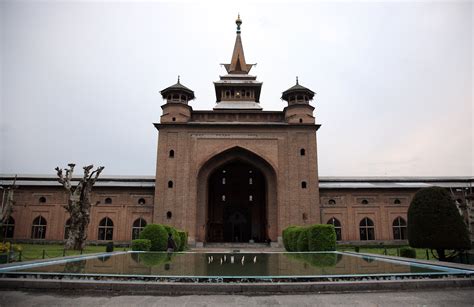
(331, 202)
(337, 226)
(302, 152)
(8, 228)
(173, 119)
(108, 200)
(67, 226)
(142, 201)
(42, 200)
(366, 229)
(397, 201)
(399, 227)
(38, 230)
(137, 227)
(301, 120)
(169, 215)
(364, 202)
(303, 184)
(106, 229)
(170, 184)
(171, 153)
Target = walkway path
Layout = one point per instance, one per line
(454, 297)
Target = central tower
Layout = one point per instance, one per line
(238, 89)
(236, 173)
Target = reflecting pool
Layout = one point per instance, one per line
(231, 265)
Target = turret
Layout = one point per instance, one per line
(176, 108)
(298, 111)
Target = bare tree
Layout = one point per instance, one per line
(79, 203)
(7, 203)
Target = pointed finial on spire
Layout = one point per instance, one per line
(297, 80)
(178, 79)
(238, 22)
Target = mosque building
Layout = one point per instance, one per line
(236, 173)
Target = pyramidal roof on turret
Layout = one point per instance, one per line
(237, 63)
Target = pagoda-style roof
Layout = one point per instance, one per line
(295, 89)
(178, 87)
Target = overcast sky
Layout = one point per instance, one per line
(80, 81)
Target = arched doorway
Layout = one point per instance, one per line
(260, 222)
(236, 204)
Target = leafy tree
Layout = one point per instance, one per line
(79, 203)
(7, 205)
(434, 222)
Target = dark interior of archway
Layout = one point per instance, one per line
(236, 211)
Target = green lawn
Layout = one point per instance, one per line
(390, 251)
(36, 251)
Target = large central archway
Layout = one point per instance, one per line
(236, 204)
(236, 198)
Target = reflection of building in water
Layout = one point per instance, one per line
(234, 173)
(198, 265)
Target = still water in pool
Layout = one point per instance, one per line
(237, 264)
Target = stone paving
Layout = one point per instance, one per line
(451, 297)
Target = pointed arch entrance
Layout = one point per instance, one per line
(237, 198)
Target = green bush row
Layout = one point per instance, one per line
(157, 235)
(318, 237)
(408, 252)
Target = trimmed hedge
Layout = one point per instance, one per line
(184, 240)
(408, 252)
(322, 237)
(141, 245)
(158, 236)
(286, 237)
(175, 234)
(302, 244)
(318, 237)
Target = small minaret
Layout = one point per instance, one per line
(176, 108)
(298, 111)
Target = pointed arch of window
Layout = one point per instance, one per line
(397, 201)
(108, 200)
(364, 202)
(67, 227)
(137, 227)
(106, 229)
(171, 154)
(42, 200)
(337, 226)
(399, 227)
(170, 184)
(8, 228)
(302, 152)
(38, 229)
(366, 229)
(331, 202)
(303, 184)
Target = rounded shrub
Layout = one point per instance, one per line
(158, 236)
(183, 235)
(434, 222)
(302, 242)
(175, 234)
(109, 247)
(141, 245)
(408, 252)
(321, 237)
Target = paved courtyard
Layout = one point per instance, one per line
(454, 297)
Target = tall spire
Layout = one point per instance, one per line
(237, 63)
